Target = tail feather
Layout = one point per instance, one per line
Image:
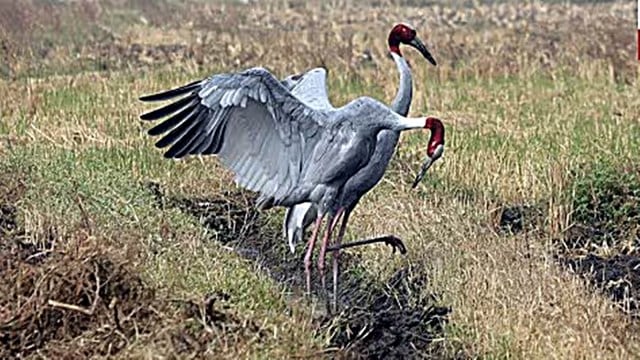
(296, 220)
(265, 202)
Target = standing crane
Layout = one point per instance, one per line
(276, 145)
(310, 87)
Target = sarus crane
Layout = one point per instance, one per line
(277, 146)
(310, 87)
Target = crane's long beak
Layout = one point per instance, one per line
(425, 166)
(418, 44)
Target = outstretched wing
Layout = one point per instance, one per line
(259, 130)
(311, 88)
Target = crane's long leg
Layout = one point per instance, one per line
(307, 257)
(336, 256)
(332, 221)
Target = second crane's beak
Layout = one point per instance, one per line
(425, 166)
(428, 161)
(418, 44)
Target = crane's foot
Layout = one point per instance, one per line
(391, 240)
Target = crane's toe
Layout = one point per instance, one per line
(396, 244)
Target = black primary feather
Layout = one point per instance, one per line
(218, 139)
(177, 133)
(171, 122)
(170, 94)
(169, 109)
(190, 139)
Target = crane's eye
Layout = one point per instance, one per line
(407, 34)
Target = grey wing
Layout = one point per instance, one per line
(291, 81)
(259, 130)
(311, 88)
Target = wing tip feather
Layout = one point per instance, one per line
(171, 93)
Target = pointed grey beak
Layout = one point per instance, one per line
(418, 44)
(425, 166)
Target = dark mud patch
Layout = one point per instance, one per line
(230, 217)
(390, 319)
(514, 219)
(603, 244)
(606, 210)
(12, 188)
(618, 276)
(8, 218)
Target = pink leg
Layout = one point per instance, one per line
(307, 257)
(331, 224)
(336, 256)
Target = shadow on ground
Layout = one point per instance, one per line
(378, 320)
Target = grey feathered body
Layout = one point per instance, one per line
(344, 148)
(311, 89)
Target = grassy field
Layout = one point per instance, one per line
(523, 242)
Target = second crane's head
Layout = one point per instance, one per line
(405, 34)
(435, 148)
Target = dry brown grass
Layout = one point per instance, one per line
(532, 96)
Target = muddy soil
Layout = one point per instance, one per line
(603, 243)
(618, 276)
(389, 320)
(513, 219)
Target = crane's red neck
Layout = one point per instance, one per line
(394, 46)
(437, 134)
